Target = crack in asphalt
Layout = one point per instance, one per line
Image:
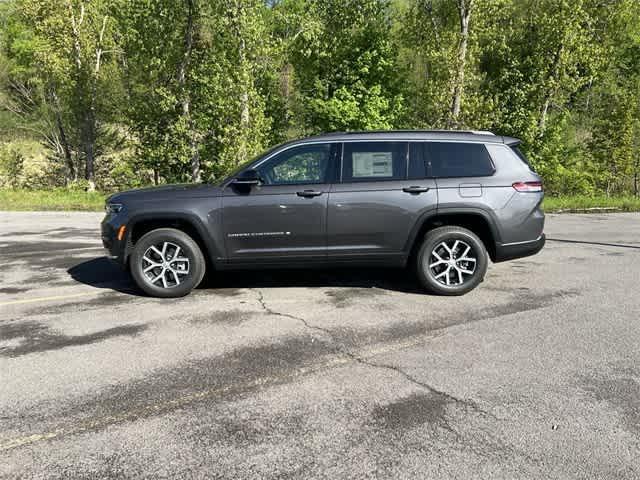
(599, 244)
(340, 350)
(343, 355)
(446, 397)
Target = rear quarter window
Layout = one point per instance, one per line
(522, 156)
(450, 159)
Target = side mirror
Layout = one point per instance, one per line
(248, 177)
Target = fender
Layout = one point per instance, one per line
(212, 252)
(488, 216)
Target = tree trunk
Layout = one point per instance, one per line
(88, 145)
(244, 103)
(542, 123)
(73, 175)
(75, 29)
(87, 93)
(434, 24)
(636, 172)
(64, 142)
(285, 89)
(552, 90)
(91, 126)
(464, 12)
(196, 174)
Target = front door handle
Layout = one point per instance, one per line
(309, 193)
(415, 189)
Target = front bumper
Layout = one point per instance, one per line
(116, 249)
(519, 250)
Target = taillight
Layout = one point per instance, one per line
(528, 186)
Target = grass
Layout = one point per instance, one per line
(58, 199)
(72, 200)
(577, 203)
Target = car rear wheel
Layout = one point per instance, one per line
(167, 263)
(451, 261)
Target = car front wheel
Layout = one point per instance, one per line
(167, 263)
(451, 261)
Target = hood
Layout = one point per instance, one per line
(181, 190)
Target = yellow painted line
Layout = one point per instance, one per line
(179, 402)
(46, 299)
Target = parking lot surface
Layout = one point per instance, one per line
(320, 374)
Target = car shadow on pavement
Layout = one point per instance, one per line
(103, 273)
(393, 279)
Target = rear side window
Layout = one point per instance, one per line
(373, 161)
(459, 159)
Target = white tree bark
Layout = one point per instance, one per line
(464, 13)
(196, 173)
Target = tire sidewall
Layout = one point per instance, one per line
(190, 249)
(439, 235)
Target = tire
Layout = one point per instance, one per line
(438, 263)
(173, 275)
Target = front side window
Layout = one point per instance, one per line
(372, 161)
(449, 159)
(303, 164)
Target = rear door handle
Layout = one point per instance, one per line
(415, 189)
(309, 193)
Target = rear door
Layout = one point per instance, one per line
(285, 217)
(382, 191)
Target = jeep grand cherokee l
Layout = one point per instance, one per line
(442, 202)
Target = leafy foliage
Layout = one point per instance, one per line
(124, 93)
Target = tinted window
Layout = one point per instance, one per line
(459, 159)
(417, 164)
(304, 164)
(521, 156)
(371, 161)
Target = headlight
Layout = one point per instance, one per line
(113, 208)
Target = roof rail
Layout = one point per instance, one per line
(358, 132)
(482, 132)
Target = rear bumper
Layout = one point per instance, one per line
(519, 250)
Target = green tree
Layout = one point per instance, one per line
(192, 71)
(135, 91)
(63, 66)
(345, 67)
(613, 104)
(537, 56)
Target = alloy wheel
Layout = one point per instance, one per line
(164, 265)
(452, 262)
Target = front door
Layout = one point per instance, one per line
(284, 217)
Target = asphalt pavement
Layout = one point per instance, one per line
(321, 373)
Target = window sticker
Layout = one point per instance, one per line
(372, 164)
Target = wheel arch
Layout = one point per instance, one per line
(139, 225)
(477, 220)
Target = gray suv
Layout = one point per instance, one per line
(438, 201)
